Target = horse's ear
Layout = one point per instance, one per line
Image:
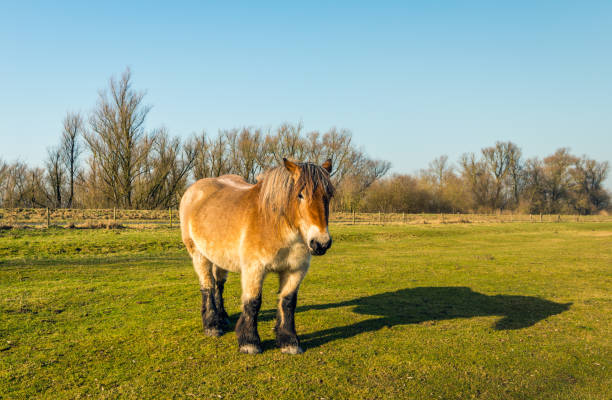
(293, 168)
(327, 165)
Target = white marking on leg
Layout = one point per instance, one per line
(292, 350)
(249, 349)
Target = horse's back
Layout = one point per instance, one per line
(213, 209)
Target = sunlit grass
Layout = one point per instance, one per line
(516, 310)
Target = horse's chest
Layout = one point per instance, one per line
(293, 257)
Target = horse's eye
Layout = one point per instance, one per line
(300, 196)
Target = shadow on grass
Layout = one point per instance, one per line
(421, 304)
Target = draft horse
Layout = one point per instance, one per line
(274, 225)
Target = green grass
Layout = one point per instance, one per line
(449, 311)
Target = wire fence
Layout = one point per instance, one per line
(118, 218)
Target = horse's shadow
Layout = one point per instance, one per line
(420, 304)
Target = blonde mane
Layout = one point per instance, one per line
(278, 188)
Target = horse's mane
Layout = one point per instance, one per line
(278, 188)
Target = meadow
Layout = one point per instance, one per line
(514, 310)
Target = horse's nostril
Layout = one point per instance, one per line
(313, 244)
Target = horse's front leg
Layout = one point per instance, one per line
(246, 328)
(286, 338)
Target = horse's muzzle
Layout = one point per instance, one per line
(317, 248)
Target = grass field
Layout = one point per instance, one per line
(491, 311)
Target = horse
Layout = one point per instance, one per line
(274, 225)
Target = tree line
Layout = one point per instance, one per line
(497, 179)
(109, 159)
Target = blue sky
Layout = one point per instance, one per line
(412, 81)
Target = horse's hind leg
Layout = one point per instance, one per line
(220, 276)
(210, 315)
(246, 328)
(286, 338)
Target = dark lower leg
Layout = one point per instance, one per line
(218, 295)
(286, 338)
(210, 315)
(246, 328)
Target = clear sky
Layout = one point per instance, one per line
(411, 80)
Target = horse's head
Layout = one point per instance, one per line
(312, 191)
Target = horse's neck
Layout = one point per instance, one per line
(281, 231)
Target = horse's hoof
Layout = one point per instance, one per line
(225, 323)
(291, 350)
(213, 332)
(250, 349)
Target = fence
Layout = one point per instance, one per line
(116, 218)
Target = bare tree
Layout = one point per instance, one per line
(249, 148)
(478, 178)
(165, 171)
(338, 148)
(55, 176)
(117, 139)
(515, 172)
(588, 193)
(557, 170)
(201, 165)
(13, 184)
(535, 185)
(71, 149)
(22, 186)
(438, 170)
(219, 163)
(498, 160)
(289, 143)
(4, 177)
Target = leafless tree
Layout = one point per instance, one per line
(71, 149)
(587, 192)
(478, 178)
(535, 186)
(117, 139)
(515, 172)
(557, 170)
(498, 160)
(290, 143)
(339, 148)
(164, 171)
(438, 171)
(55, 176)
(249, 146)
(23, 186)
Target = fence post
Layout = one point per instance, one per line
(379, 218)
(170, 212)
(540, 217)
(48, 218)
(403, 218)
(353, 217)
(114, 215)
(559, 218)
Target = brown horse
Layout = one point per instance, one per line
(275, 225)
